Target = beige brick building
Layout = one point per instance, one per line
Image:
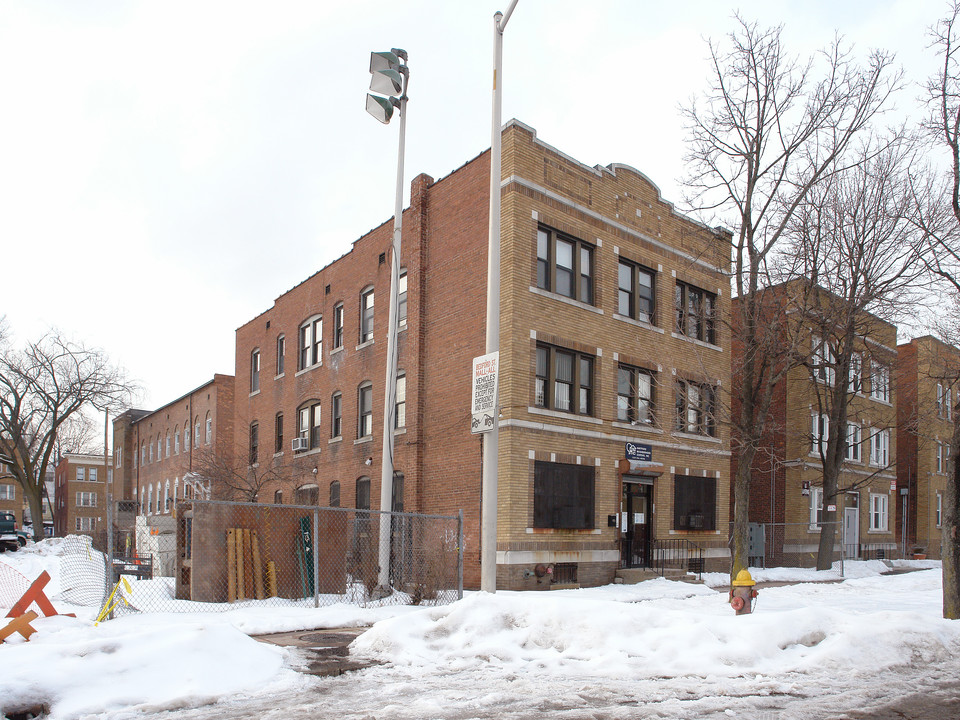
(926, 400)
(82, 483)
(611, 346)
(11, 494)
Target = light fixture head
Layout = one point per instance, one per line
(383, 61)
(387, 82)
(381, 107)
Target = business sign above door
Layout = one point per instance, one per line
(636, 451)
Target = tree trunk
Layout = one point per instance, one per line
(741, 510)
(34, 493)
(949, 554)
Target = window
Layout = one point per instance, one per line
(366, 316)
(308, 424)
(563, 496)
(939, 510)
(694, 503)
(695, 311)
(564, 380)
(819, 433)
(209, 428)
(365, 410)
(695, 408)
(196, 438)
(167, 444)
(854, 438)
(880, 448)
(92, 475)
(822, 360)
(166, 497)
(82, 472)
(159, 452)
(335, 493)
(110, 476)
(880, 382)
(878, 511)
(176, 440)
(941, 458)
(363, 493)
(634, 395)
(311, 343)
(186, 436)
(255, 371)
(564, 265)
(86, 524)
(159, 498)
(143, 453)
(636, 297)
(402, 299)
(336, 415)
(278, 434)
(278, 497)
(8, 492)
(855, 384)
(281, 352)
(400, 409)
(254, 443)
(86, 499)
(306, 495)
(150, 451)
(338, 326)
(816, 507)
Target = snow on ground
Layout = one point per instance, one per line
(670, 649)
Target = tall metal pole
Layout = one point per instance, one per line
(390, 385)
(491, 440)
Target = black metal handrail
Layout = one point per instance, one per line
(677, 554)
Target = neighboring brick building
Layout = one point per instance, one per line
(156, 452)
(786, 493)
(610, 338)
(11, 494)
(80, 497)
(926, 397)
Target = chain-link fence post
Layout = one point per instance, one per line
(459, 554)
(108, 575)
(316, 557)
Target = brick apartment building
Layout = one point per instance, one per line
(786, 493)
(612, 357)
(80, 496)
(11, 495)
(926, 395)
(156, 452)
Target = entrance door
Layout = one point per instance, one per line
(637, 522)
(851, 532)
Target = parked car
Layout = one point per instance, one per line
(11, 537)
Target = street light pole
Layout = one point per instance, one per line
(491, 440)
(390, 76)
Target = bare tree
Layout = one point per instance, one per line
(235, 478)
(44, 388)
(855, 237)
(763, 134)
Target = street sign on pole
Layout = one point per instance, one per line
(484, 411)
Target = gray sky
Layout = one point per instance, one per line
(167, 169)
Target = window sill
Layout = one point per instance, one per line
(878, 532)
(363, 440)
(278, 377)
(554, 531)
(368, 343)
(308, 369)
(692, 436)
(564, 415)
(278, 454)
(638, 323)
(881, 401)
(400, 431)
(694, 341)
(305, 453)
(336, 350)
(641, 427)
(564, 299)
(255, 392)
(338, 438)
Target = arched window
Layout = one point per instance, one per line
(167, 445)
(143, 501)
(166, 497)
(307, 495)
(159, 447)
(176, 440)
(149, 499)
(176, 488)
(335, 493)
(196, 433)
(186, 436)
(308, 425)
(311, 342)
(151, 452)
(209, 430)
(159, 498)
(363, 493)
(278, 497)
(143, 453)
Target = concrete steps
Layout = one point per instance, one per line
(632, 576)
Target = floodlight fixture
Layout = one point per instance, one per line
(387, 82)
(389, 77)
(381, 107)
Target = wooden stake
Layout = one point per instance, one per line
(257, 567)
(241, 593)
(231, 566)
(248, 566)
(272, 578)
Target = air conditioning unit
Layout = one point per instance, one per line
(299, 444)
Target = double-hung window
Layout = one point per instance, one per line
(695, 408)
(636, 296)
(855, 374)
(564, 265)
(634, 395)
(254, 443)
(944, 408)
(278, 434)
(880, 382)
(281, 352)
(816, 507)
(879, 505)
(308, 424)
(880, 448)
(254, 371)
(822, 360)
(695, 312)
(402, 299)
(8, 492)
(365, 410)
(854, 439)
(311, 342)
(819, 433)
(336, 415)
(338, 326)
(400, 408)
(564, 380)
(366, 316)
(86, 499)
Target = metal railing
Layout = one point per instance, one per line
(798, 545)
(677, 554)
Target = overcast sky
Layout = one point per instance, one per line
(169, 168)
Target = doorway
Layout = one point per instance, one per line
(851, 526)
(636, 514)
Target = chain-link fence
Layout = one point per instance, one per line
(227, 555)
(798, 545)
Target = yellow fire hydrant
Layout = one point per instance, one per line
(742, 593)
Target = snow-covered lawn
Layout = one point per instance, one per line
(657, 649)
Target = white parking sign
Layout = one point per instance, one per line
(484, 408)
